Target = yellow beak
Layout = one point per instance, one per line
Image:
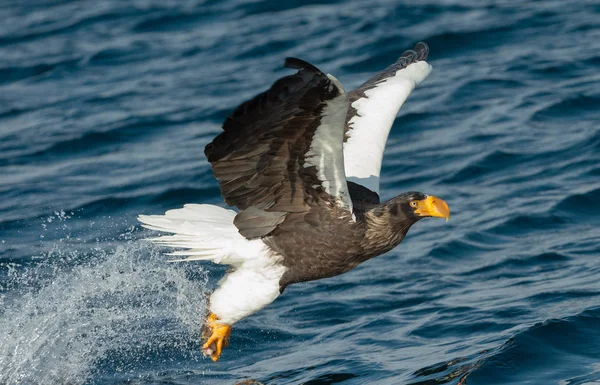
(433, 207)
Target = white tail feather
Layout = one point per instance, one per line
(207, 232)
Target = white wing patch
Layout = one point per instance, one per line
(326, 149)
(369, 129)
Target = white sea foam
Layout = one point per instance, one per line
(60, 321)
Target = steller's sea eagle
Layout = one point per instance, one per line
(301, 163)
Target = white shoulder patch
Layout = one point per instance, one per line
(326, 149)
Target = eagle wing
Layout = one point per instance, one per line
(373, 109)
(282, 151)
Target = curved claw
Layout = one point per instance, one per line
(218, 339)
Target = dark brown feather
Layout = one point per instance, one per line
(330, 243)
(259, 159)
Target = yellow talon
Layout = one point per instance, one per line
(219, 337)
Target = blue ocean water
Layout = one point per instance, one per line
(106, 106)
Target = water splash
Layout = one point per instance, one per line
(112, 312)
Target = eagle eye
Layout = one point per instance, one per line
(413, 203)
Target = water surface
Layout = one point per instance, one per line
(105, 108)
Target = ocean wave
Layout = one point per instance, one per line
(554, 351)
(105, 108)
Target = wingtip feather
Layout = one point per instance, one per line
(299, 64)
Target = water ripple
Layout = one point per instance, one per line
(105, 108)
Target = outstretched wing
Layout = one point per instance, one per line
(281, 152)
(373, 108)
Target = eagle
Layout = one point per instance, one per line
(301, 163)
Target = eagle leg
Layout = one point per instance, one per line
(218, 339)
